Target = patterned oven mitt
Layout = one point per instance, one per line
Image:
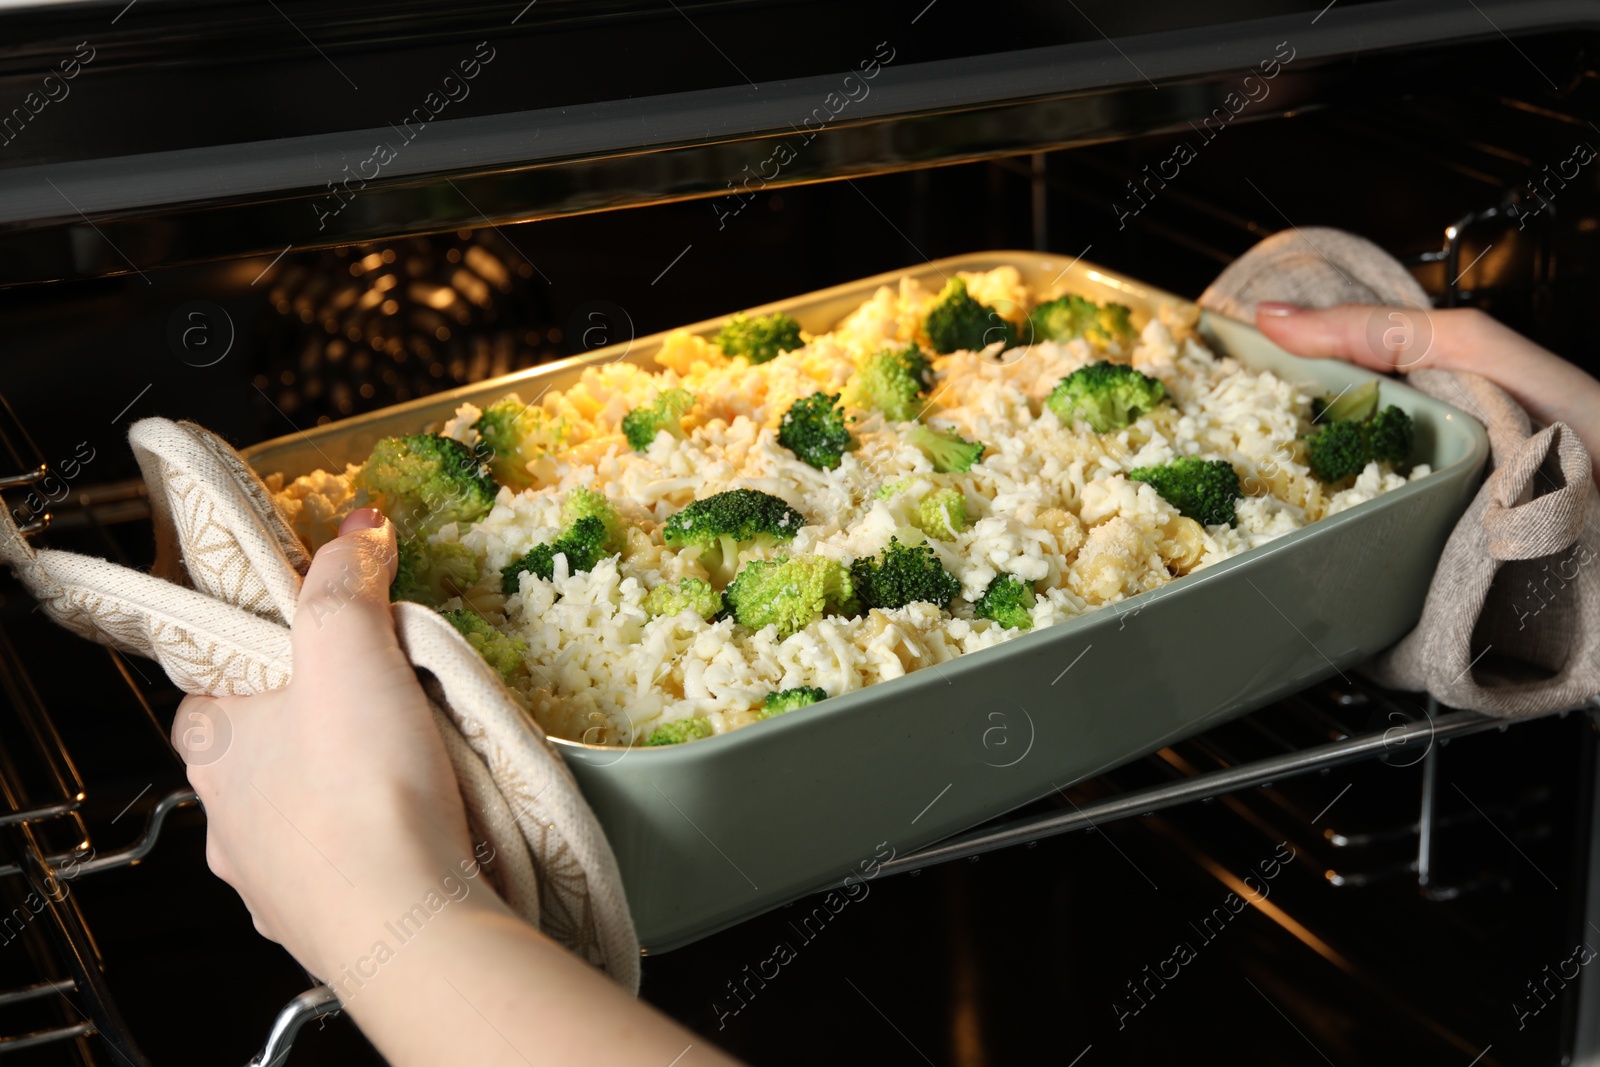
(215, 614)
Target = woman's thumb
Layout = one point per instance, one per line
(346, 591)
(362, 519)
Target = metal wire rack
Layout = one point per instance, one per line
(1413, 740)
(44, 794)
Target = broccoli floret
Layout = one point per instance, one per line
(593, 532)
(424, 481)
(723, 524)
(431, 573)
(789, 593)
(512, 435)
(892, 381)
(687, 594)
(1201, 489)
(789, 699)
(1352, 432)
(641, 425)
(583, 543)
(942, 513)
(539, 560)
(1352, 405)
(761, 338)
(948, 451)
(1075, 316)
(1008, 601)
(902, 574)
(1336, 450)
(1063, 318)
(502, 653)
(680, 730)
(1107, 396)
(583, 502)
(813, 429)
(956, 322)
(1113, 322)
(1390, 436)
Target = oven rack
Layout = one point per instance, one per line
(1435, 730)
(71, 986)
(71, 972)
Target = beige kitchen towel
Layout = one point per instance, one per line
(1511, 625)
(215, 614)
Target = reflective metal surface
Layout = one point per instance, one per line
(1423, 733)
(314, 1003)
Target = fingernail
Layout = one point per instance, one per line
(1276, 309)
(362, 519)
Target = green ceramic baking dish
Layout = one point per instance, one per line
(710, 833)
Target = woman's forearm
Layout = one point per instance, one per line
(474, 984)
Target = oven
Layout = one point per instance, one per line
(268, 217)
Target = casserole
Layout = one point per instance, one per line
(712, 832)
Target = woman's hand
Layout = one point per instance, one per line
(1464, 339)
(333, 810)
(332, 798)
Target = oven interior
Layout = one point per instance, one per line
(1432, 890)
